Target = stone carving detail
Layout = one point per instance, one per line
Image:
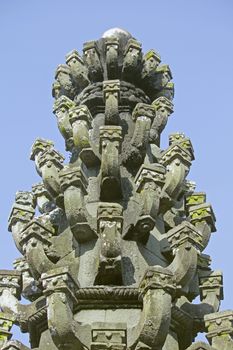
(220, 329)
(113, 240)
(91, 58)
(110, 178)
(111, 91)
(109, 228)
(61, 109)
(132, 63)
(112, 48)
(78, 69)
(81, 121)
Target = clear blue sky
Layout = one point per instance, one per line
(193, 37)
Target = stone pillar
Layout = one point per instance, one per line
(110, 178)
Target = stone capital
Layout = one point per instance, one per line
(183, 235)
(73, 177)
(39, 190)
(89, 45)
(40, 145)
(219, 323)
(21, 265)
(163, 102)
(109, 212)
(143, 110)
(195, 198)
(157, 277)
(35, 231)
(6, 322)
(202, 213)
(73, 56)
(176, 153)
(49, 157)
(148, 173)
(111, 41)
(59, 280)
(204, 262)
(165, 69)
(25, 198)
(80, 113)
(189, 187)
(152, 54)
(132, 43)
(110, 133)
(12, 281)
(63, 104)
(176, 137)
(20, 213)
(62, 69)
(213, 282)
(111, 87)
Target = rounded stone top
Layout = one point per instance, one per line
(117, 32)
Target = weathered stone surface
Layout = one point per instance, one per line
(112, 240)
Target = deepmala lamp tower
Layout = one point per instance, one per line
(112, 242)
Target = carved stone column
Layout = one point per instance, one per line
(10, 290)
(59, 290)
(132, 61)
(50, 163)
(43, 199)
(163, 108)
(81, 119)
(35, 241)
(157, 287)
(211, 293)
(78, 70)
(109, 221)
(177, 158)
(112, 47)
(38, 147)
(110, 178)
(203, 218)
(92, 61)
(111, 91)
(30, 287)
(143, 116)
(163, 76)
(149, 181)
(64, 79)
(22, 212)
(185, 243)
(151, 60)
(61, 109)
(74, 184)
(211, 289)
